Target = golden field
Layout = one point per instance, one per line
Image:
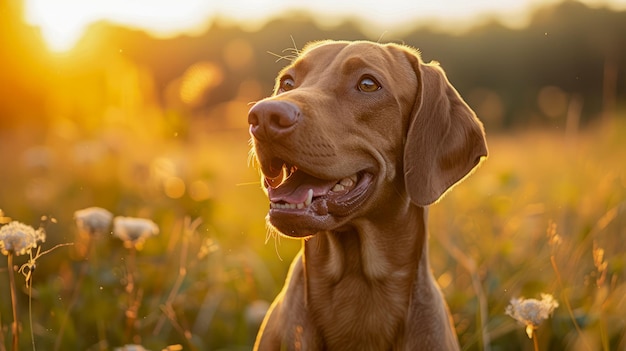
(544, 214)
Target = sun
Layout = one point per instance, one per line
(63, 22)
(61, 36)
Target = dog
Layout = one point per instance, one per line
(358, 139)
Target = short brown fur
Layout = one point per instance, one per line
(362, 280)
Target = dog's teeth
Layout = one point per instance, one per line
(347, 182)
(309, 198)
(354, 178)
(338, 187)
(299, 206)
(288, 206)
(344, 183)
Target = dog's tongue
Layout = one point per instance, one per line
(294, 190)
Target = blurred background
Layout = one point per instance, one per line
(141, 108)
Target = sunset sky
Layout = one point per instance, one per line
(64, 21)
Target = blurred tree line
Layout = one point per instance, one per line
(568, 66)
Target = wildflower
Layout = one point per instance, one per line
(93, 220)
(532, 312)
(18, 238)
(134, 231)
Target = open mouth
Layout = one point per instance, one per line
(292, 190)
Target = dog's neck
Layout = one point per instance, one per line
(368, 271)
(377, 253)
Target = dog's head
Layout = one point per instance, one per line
(355, 128)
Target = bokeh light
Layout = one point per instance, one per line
(140, 108)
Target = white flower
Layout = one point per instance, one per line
(134, 231)
(93, 220)
(532, 312)
(18, 238)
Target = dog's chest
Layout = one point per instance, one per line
(365, 315)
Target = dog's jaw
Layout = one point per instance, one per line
(302, 205)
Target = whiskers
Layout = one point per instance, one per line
(292, 53)
(380, 38)
(253, 161)
(272, 233)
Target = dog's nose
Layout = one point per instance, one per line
(270, 119)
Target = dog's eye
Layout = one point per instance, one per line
(368, 85)
(286, 84)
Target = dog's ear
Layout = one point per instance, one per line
(445, 140)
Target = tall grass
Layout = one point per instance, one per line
(546, 213)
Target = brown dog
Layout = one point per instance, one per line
(357, 140)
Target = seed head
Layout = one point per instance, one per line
(18, 238)
(93, 220)
(134, 231)
(532, 312)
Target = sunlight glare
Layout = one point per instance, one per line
(63, 22)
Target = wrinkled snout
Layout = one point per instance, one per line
(271, 119)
